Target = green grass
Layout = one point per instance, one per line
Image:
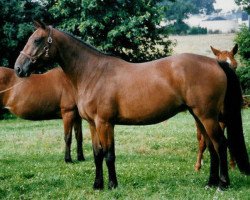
(153, 162)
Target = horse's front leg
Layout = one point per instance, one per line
(78, 135)
(105, 135)
(98, 157)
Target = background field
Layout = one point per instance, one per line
(153, 162)
(200, 44)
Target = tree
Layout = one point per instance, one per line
(129, 29)
(245, 4)
(16, 26)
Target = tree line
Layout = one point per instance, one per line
(130, 29)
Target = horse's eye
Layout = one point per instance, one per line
(38, 40)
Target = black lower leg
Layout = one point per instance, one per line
(214, 168)
(68, 140)
(224, 178)
(98, 184)
(110, 161)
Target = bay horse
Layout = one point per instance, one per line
(111, 91)
(226, 56)
(42, 97)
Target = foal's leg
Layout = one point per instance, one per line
(218, 140)
(78, 135)
(68, 120)
(202, 147)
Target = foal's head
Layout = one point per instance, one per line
(227, 56)
(37, 51)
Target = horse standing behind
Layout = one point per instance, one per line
(111, 91)
(42, 97)
(227, 56)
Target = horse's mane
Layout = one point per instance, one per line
(86, 44)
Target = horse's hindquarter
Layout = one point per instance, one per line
(203, 82)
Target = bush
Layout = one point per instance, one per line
(197, 30)
(243, 40)
(244, 76)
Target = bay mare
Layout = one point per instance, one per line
(42, 97)
(111, 91)
(226, 56)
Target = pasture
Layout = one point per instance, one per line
(153, 162)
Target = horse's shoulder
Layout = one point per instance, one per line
(6, 74)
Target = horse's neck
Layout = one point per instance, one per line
(77, 60)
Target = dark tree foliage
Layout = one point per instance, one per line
(126, 28)
(129, 29)
(16, 25)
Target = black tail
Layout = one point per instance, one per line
(233, 103)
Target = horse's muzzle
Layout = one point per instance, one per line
(20, 72)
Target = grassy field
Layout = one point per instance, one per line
(153, 162)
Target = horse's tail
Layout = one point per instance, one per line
(233, 103)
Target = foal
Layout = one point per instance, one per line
(42, 97)
(227, 56)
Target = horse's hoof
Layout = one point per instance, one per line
(98, 185)
(197, 168)
(68, 160)
(223, 186)
(81, 158)
(112, 185)
(212, 183)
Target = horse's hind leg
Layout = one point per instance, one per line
(232, 160)
(216, 136)
(68, 120)
(201, 149)
(78, 135)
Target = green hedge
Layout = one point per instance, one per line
(244, 76)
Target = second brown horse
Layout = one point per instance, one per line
(39, 98)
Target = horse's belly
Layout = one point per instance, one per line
(31, 113)
(150, 115)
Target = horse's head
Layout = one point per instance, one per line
(37, 51)
(227, 56)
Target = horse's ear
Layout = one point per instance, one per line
(39, 24)
(215, 51)
(235, 49)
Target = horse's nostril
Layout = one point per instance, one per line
(19, 70)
